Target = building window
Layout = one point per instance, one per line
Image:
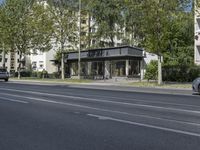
(41, 64)
(83, 33)
(83, 21)
(34, 65)
(93, 42)
(92, 30)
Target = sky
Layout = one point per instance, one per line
(1, 1)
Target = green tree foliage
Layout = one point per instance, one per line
(132, 22)
(27, 28)
(151, 71)
(65, 27)
(160, 15)
(107, 15)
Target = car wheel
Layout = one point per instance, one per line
(199, 89)
(6, 80)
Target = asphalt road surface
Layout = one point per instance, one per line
(59, 117)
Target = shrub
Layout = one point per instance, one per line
(25, 73)
(180, 73)
(152, 71)
(40, 74)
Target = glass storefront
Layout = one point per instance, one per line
(97, 68)
(134, 68)
(74, 69)
(84, 68)
(119, 68)
(116, 68)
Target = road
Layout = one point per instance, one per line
(60, 117)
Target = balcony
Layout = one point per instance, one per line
(197, 42)
(197, 38)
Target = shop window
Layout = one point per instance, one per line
(97, 68)
(84, 68)
(134, 67)
(74, 69)
(119, 68)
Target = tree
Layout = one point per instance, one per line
(158, 16)
(65, 27)
(28, 28)
(2, 34)
(107, 16)
(132, 22)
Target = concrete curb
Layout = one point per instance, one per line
(112, 87)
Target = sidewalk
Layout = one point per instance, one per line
(115, 86)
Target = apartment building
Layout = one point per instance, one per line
(12, 62)
(197, 37)
(43, 61)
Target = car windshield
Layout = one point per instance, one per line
(3, 70)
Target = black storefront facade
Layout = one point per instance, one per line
(107, 63)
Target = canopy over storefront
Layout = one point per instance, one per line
(106, 53)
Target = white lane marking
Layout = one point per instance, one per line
(12, 100)
(144, 125)
(105, 110)
(108, 101)
(136, 100)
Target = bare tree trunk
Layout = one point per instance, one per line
(63, 66)
(112, 42)
(89, 32)
(19, 67)
(159, 70)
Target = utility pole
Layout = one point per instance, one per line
(62, 50)
(79, 45)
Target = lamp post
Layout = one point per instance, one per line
(79, 44)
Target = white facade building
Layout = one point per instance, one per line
(12, 62)
(43, 61)
(197, 37)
